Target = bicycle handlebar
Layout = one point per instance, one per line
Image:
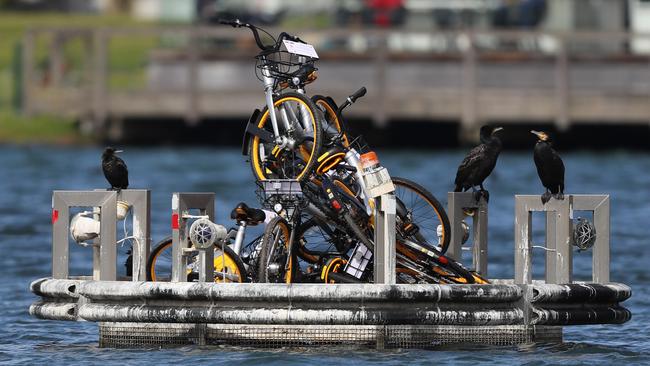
(284, 35)
(238, 24)
(353, 98)
(358, 94)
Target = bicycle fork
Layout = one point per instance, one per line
(239, 237)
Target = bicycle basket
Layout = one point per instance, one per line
(282, 65)
(286, 192)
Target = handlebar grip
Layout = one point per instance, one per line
(358, 94)
(285, 35)
(234, 23)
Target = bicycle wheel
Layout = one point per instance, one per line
(424, 215)
(296, 160)
(159, 264)
(275, 265)
(432, 264)
(333, 119)
(317, 239)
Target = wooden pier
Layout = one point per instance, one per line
(514, 77)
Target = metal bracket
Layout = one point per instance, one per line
(385, 239)
(559, 257)
(559, 254)
(181, 204)
(105, 268)
(140, 202)
(457, 202)
(599, 205)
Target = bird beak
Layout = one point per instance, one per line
(119, 151)
(497, 129)
(540, 135)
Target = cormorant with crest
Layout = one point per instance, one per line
(550, 167)
(479, 163)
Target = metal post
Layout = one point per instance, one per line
(469, 114)
(523, 246)
(140, 202)
(385, 239)
(551, 247)
(562, 86)
(181, 204)
(457, 203)
(380, 117)
(100, 68)
(480, 226)
(558, 244)
(28, 72)
(193, 60)
(61, 203)
(56, 59)
(599, 204)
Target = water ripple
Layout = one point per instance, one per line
(31, 173)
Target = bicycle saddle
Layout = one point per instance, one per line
(251, 216)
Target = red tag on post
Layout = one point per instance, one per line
(175, 221)
(55, 216)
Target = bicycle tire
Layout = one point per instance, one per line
(331, 115)
(459, 274)
(453, 278)
(275, 251)
(159, 263)
(439, 214)
(401, 184)
(301, 159)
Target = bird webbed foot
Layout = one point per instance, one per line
(546, 197)
(485, 194)
(482, 194)
(559, 196)
(477, 195)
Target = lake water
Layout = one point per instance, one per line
(29, 174)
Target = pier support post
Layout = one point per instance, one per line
(457, 203)
(385, 239)
(107, 203)
(182, 203)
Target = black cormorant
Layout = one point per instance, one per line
(479, 163)
(115, 169)
(550, 167)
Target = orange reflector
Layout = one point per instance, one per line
(368, 159)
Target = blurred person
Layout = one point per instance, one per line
(384, 13)
(519, 14)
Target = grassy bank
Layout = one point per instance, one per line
(42, 129)
(126, 61)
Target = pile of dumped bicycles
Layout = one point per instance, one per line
(318, 188)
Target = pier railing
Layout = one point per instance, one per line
(559, 242)
(104, 75)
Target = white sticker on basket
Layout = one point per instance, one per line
(298, 48)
